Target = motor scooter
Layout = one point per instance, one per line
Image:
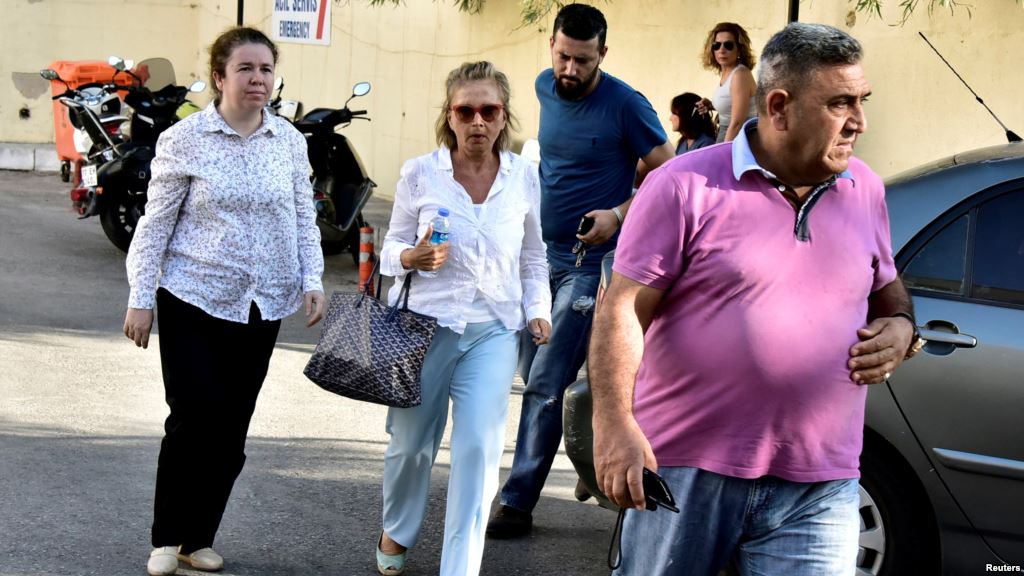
(341, 186)
(290, 110)
(103, 100)
(115, 180)
(577, 408)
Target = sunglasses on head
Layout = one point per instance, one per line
(489, 112)
(729, 45)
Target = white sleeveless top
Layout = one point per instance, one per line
(722, 100)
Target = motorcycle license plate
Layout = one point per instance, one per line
(89, 175)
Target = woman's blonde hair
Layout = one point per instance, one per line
(476, 72)
(746, 53)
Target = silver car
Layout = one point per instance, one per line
(942, 487)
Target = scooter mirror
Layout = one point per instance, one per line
(278, 83)
(197, 86)
(129, 64)
(361, 89)
(117, 63)
(49, 74)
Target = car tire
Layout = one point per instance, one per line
(898, 533)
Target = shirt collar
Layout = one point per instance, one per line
(214, 122)
(444, 160)
(743, 159)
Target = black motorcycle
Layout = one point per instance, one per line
(341, 186)
(118, 180)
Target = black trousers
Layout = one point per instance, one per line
(213, 370)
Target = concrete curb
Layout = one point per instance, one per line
(19, 156)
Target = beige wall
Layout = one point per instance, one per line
(34, 33)
(919, 110)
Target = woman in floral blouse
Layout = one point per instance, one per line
(490, 280)
(228, 246)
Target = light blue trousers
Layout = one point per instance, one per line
(475, 370)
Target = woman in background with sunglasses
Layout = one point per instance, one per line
(488, 281)
(727, 51)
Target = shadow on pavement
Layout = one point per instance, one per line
(81, 505)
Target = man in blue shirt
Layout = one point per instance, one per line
(597, 137)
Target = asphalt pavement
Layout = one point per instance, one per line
(81, 414)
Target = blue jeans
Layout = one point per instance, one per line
(768, 525)
(548, 370)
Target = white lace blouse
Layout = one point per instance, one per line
(229, 220)
(496, 259)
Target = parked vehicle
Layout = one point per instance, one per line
(115, 179)
(290, 110)
(103, 100)
(341, 186)
(942, 487)
(121, 183)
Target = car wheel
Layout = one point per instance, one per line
(897, 526)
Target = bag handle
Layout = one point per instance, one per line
(365, 288)
(403, 295)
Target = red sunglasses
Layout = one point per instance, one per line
(466, 114)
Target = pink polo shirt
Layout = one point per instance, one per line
(744, 367)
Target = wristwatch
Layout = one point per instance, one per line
(916, 342)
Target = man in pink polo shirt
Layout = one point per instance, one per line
(754, 296)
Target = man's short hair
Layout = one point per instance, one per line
(581, 22)
(797, 51)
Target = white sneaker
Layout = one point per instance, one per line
(203, 559)
(163, 561)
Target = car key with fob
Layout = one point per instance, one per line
(580, 249)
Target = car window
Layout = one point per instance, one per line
(939, 265)
(999, 250)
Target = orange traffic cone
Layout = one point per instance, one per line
(367, 258)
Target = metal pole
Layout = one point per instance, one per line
(794, 10)
(241, 10)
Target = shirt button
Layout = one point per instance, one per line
(782, 188)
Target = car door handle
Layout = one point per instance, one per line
(958, 340)
(944, 337)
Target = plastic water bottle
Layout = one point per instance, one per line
(439, 235)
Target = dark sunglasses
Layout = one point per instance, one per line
(729, 45)
(489, 112)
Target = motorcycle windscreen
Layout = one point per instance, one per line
(155, 73)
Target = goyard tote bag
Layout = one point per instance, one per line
(371, 351)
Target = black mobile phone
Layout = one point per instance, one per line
(656, 492)
(586, 223)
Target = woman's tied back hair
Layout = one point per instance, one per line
(225, 44)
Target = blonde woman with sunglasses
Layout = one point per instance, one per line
(727, 51)
(489, 281)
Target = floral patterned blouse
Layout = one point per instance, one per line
(229, 220)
